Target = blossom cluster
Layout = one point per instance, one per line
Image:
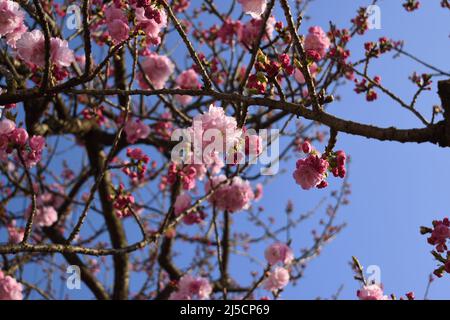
(12, 138)
(10, 289)
(191, 288)
(312, 171)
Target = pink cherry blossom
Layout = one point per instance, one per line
(46, 216)
(188, 79)
(31, 48)
(225, 126)
(317, 43)
(254, 7)
(118, 30)
(190, 287)
(11, 38)
(158, 69)
(117, 24)
(371, 292)
(10, 289)
(6, 126)
(19, 136)
(277, 279)
(11, 17)
(279, 252)
(136, 130)
(61, 55)
(310, 171)
(234, 196)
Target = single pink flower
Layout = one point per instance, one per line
(11, 17)
(195, 287)
(10, 289)
(118, 30)
(6, 126)
(277, 279)
(255, 8)
(158, 70)
(279, 252)
(19, 136)
(371, 292)
(233, 196)
(310, 172)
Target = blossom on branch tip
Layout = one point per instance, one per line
(278, 252)
(10, 289)
(255, 8)
(158, 69)
(277, 279)
(310, 172)
(371, 292)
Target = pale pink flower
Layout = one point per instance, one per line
(225, 127)
(61, 55)
(188, 79)
(6, 126)
(232, 196)
(45, 216)
(31, 47)
(158, 70)
(313, 68)
(277, 279)
(255, 8)
(11, 38)
(317, 42)
(371, 292)
(37, 143)
(279, 252)
(118, 30)
(10, 289)
(195, 287)
(11, 17)
(310, 171)
(136, 130)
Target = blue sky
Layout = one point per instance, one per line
(396, 187)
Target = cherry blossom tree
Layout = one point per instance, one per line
(102, 125)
